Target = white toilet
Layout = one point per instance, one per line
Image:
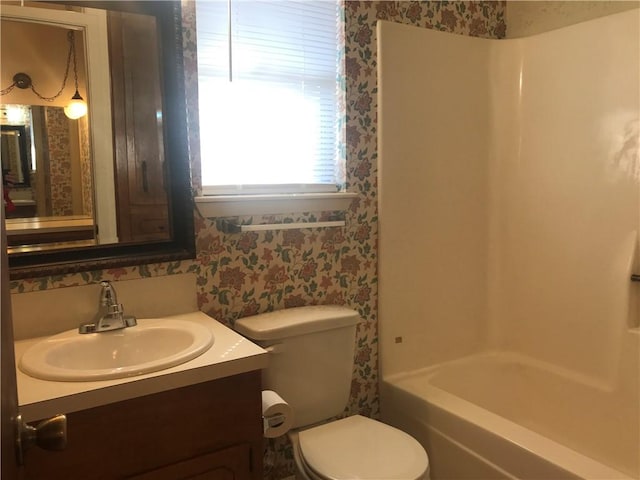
(311, 366)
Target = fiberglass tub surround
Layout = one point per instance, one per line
(523, 158)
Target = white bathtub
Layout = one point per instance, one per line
(502, 415)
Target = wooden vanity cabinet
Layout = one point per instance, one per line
(207, 431)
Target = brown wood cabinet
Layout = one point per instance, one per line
(22, 211)
(51, 237)
(208, 431)
(136, 95)
(228, 464)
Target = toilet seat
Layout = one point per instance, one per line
(359, 447)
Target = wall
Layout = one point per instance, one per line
(60, 161)
(434, 151)
(529, 200)
(243, 274)
(22, 51)
(566, 192)
(530, 17)
(86, 167)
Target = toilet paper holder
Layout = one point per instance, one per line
(273, 421)
(277, 415)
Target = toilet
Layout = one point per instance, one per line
(310, 366)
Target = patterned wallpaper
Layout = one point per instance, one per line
(252, 272)
(59, 161)
(86, 170)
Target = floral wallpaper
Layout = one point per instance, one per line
(253, 272)
(61, 158)
(86, 170)
(59, 161)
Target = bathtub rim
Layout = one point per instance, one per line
(556, 454)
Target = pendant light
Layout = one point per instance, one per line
(76, 107)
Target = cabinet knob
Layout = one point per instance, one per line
(50, 434)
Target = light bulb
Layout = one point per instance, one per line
(76, 108)
(15, 115)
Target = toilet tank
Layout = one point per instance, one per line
(311, 359)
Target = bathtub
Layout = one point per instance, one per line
(503, 415)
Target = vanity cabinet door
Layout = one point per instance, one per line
(228, 464)
(206, 431)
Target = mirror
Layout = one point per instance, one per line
(131, 203)
(14, 155)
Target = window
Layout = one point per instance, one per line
(268, 89)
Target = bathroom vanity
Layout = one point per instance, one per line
(197, 420)
(207, 431)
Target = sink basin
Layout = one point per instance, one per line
(152, 345)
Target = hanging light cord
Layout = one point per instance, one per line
(72, 52)
(72, 48)
(4, 91)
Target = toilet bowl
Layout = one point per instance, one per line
(311, 367)
(358, 447)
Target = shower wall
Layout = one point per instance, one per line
(509, 199)
(565, 194)
(434, 144)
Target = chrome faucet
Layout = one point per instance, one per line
(110, 315)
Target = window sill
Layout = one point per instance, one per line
(212, 206)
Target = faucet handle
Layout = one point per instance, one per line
(130, 321)
(87, 328)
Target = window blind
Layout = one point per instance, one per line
(267, 74)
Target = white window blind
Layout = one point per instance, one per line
(268, 90)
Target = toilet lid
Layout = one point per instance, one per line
(358, 447)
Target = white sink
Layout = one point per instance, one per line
(152, 345)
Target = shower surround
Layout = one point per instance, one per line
(511, 271)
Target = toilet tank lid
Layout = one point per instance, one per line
(296, 321)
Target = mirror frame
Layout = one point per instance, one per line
(181, 205)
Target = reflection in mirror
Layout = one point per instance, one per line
(14, 155)
(63, 168)
(48, 69)
(55, 162)
(57, 206)
(118, 175)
